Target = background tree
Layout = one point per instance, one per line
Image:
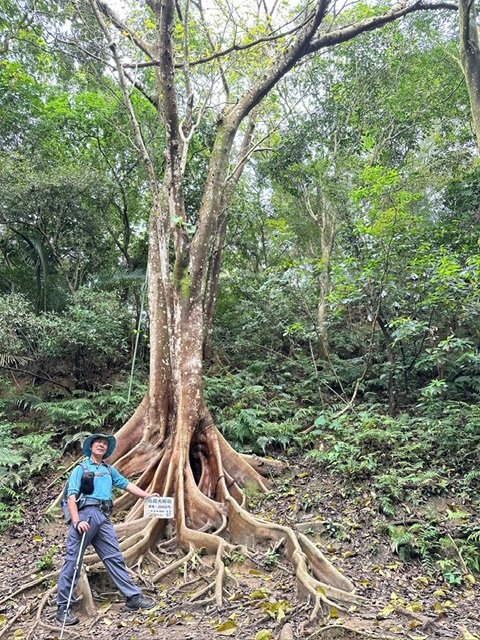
(470, 57)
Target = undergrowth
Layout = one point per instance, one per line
(23, 455)
(256, 417)
(407, 457)
(409, 462)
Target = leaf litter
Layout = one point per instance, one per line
(403, 600)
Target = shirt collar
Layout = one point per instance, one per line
(97, 464)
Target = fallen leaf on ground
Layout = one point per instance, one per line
(466, 634)
(227, 628)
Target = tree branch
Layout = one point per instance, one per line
(127, 100)
(376, 22)
(136, 83)
(125, 29)
(286, 61)
(36, 375)
(232, 48)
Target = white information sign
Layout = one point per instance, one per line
(158, 507)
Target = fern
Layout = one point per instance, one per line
(21, 457)
(69, 411)
(26, 400)
(401, 541)
(10, 360)
(474, 536)
(419, 540)
(10, 458)
(428, 563)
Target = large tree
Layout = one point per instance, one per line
(197, 67)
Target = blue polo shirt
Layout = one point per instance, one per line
(103, 482)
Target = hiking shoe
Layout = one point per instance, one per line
(140, 602)
(65, 615)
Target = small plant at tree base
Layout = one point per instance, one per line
(235, 557)
(309, 503)
(47, 561)
(271, 559)
(336, 530)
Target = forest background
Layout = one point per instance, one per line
(346, 323)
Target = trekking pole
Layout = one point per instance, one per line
(78, 564)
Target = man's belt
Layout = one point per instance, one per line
(104, 505)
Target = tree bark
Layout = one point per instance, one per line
(327, 231)
(470, 58)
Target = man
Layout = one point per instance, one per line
(91, 516)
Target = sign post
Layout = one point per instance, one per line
(158, 507)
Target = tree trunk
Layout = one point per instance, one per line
(470, 58)
(327, 235)
(213, 279)
(392, 392)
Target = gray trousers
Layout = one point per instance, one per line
(102, 537)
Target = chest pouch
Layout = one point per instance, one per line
(86, 483)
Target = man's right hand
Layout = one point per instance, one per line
(82, 526)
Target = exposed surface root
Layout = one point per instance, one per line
(130, 435)
(237, 466)
(20, 612)
(263, 466)
(41, 607)
(207, 477)
(189, 583)
(327, 587)
(87, 604)
(130, 528)
(174, 565)
(29, 585)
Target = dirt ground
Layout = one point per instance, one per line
(402, 600)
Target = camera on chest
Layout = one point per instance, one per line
(87, 483)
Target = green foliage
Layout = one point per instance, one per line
(234, 557)
(423, 454)
(93, 322)
(23, 456)
(271, 559)
(27, 447)
(47, 561)
(77, 416)
(450, 571)
(434, 547)
(378, 157)
(88, 337)
(418, 540)
(336, 530)
(11, 510)
(254, 416)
